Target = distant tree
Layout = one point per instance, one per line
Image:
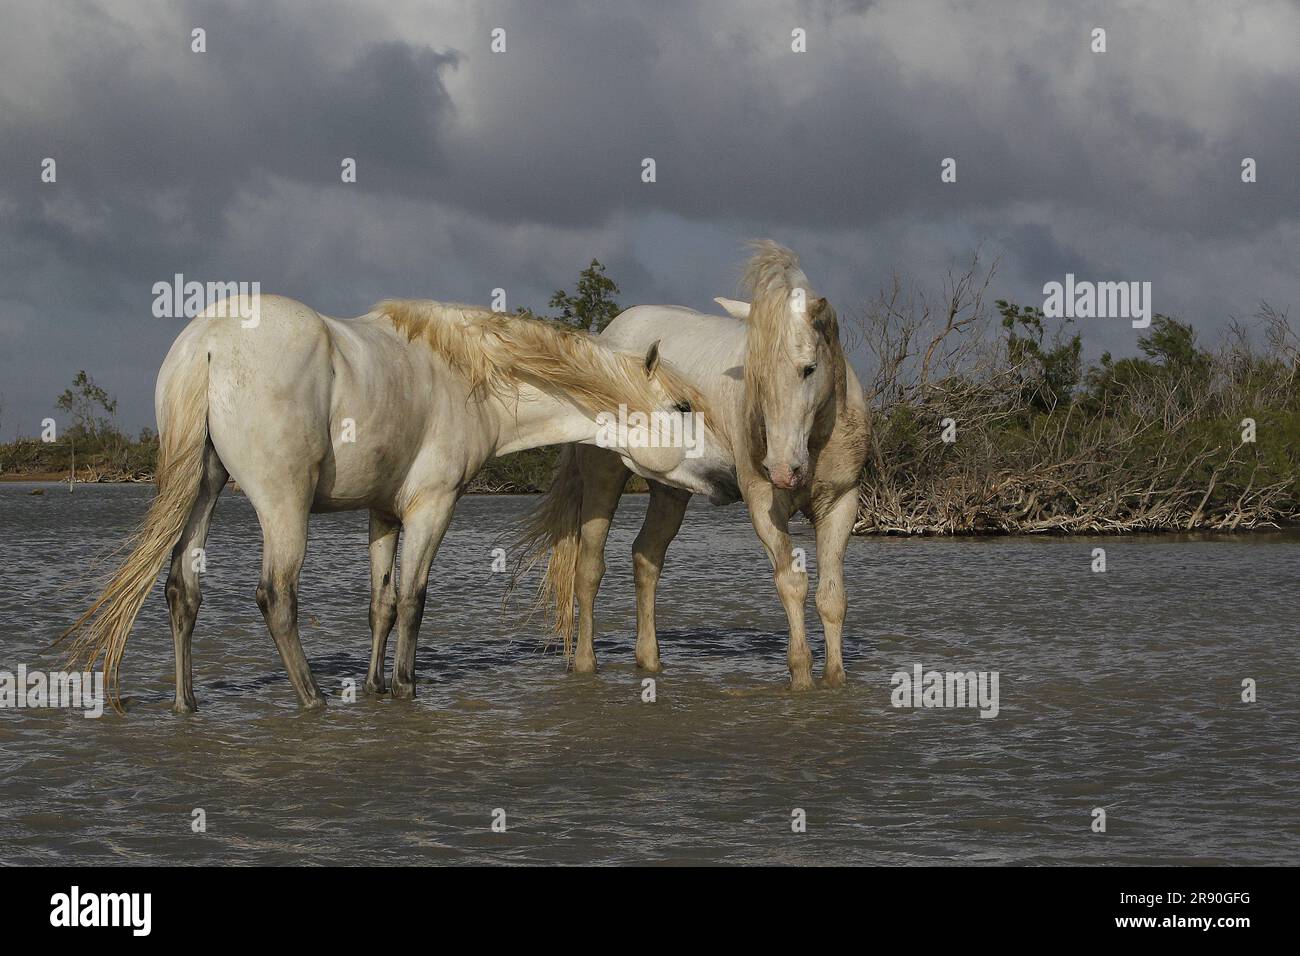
(1172, 356)
(1049, 369)
(1173, 345)
(1110, 381)
(593, 306)
(90, 407)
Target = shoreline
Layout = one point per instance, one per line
(61, 478)
(50, 479)
(56, 479)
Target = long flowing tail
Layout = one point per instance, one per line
(103, 629)
(553, 529)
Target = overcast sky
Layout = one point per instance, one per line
(478, 170)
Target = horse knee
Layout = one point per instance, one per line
(410, 604)
(791, 584)
(646, 558)
(831, 602)
(589, 575)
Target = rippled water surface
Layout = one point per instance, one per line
(1118, 690)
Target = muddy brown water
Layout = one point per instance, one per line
(1120, 690)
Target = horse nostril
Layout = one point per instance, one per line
(783, 476)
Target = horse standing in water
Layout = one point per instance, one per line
(791, 411)
(394, 412)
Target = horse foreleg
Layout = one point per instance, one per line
(603, 478)
(183, 590)
(833, 527)
(383, 595)
(769, 510)
(422, 531)
(663, 519)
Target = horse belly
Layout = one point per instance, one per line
(368, 459)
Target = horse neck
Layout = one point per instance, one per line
(531, 417)
(838, 399)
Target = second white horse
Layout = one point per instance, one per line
(792, 417)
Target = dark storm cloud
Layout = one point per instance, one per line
(478, 170)
(156, 141)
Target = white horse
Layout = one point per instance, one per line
(395, 412)
(791, 412)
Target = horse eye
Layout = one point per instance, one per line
(808, 370)
(684, 407)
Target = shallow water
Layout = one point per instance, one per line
(1118, 690)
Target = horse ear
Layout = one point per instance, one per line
(817, 309)
(652, 358)
(734, 308)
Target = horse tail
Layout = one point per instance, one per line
(101, 632)
(553, 529)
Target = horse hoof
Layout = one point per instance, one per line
(376, 689)
(801, 681)
(184, 707)
(403, 691)
(313, 703)
(584, 666)
(834, 678)
(653, 667)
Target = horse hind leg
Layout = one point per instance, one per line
(183, 590)
(663, 519)
(383, 595)
(284, 545)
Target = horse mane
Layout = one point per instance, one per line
(771, 276)
(497, 352)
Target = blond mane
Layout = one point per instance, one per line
(771, 276)
(497, 352)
